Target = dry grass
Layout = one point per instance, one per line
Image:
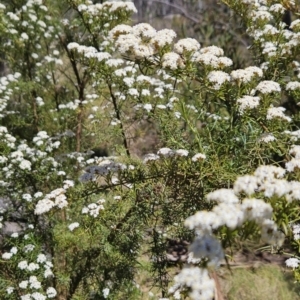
(266, 282)
(252, 282)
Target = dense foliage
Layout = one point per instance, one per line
(117, 139)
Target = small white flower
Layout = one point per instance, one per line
(172, 61)
(247, 184)
(10, 290)
(25, 165)
(268, 86)
(43, 206)
(277, 112)
(218, 78)
(27, 197)
(38, 194)
(7, 255)
(24, 36)
(38, 296)
(213, 50)
(33, 267)
(186, 46)
(198, 157)
(293, 85)
(14, 250)
(247, 102)
(73, 226)
(267, 138)
(181, 152)
(15, 235)
(51, 292)
(28, 248)
(72, 46)
(163, 38)
(150, 157)
(147, 107)
(223, 196)
(41, 258)
(23, 284)
(292, 262)
(23, 265)
(166, 152)
(105, 292)
(26, 297)
(85, 210)
(34, 283)
(68, 184)
(48, 273)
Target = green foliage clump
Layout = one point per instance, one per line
(118, 141)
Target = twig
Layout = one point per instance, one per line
(114, 100)
(183, 11)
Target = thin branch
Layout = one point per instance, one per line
(183, 11)
(87, 26)
(114, 100)
(81, 83)
(69, 78)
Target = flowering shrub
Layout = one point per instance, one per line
(224, 165)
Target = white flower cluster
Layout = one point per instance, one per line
(10, 254)
(246, 75)
(186, 46)
(277, 112)
(293, 135)
(6, 90)
(172, 61)
(267, 138)
(295, 25)
(260, 15)
(142, 86)
(211, 57)
(42, 261)
(107, 7)
(7, 138)
(232, 211)
(33, 283)
(247, 102)
(218, 78)
(72, 105)
(273, 36)
(82, 159)
(292, 262)
(296, 231)
(93, 209)
(73, 226)
(89, 52)
(150, 157)
(294, 163)
(268, 87)
(33, 20)
(197, 280)
(142, 40)
(198, 157)
(56, 198)
(293, 85)
(42, 138)
(22, 159)
(167, 153)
